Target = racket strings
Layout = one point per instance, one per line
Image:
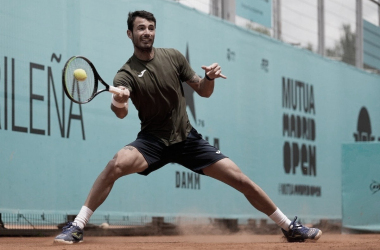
(81, 91)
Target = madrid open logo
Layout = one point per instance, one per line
(364, 130)
(374, 187)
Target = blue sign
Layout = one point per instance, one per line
(258, 11)
(371, 44)
(361, 186)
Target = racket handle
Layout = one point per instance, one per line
(114, 90)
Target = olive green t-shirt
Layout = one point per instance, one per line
(157, 93)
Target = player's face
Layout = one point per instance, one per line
(143, 34)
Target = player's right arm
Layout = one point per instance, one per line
(119, 104)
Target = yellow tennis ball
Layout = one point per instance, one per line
(80, 74)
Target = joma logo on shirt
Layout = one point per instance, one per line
(142, 73)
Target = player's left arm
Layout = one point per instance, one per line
(205, 86)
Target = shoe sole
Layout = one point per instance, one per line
(292, 240)
(61, 241)
(319, 234)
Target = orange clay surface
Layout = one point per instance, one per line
(228, 242)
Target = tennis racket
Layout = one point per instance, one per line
(84, 90)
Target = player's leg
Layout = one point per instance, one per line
(127, 161)
(228, 172)
(199, 156)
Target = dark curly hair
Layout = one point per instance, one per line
(140, 13)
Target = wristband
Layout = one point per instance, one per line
(118, 104)
(208, 78)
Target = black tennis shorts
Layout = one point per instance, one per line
(194, 153)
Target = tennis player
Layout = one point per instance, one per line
(152, 78)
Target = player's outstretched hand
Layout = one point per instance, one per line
(213, 71)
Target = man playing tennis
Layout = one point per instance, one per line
(153, 78)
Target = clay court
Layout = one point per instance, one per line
(241, 242)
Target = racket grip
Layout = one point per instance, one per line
(114, 90)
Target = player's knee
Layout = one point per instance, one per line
(111, 172)
(120, 166)
(115, 169)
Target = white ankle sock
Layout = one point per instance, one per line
(280, 219)
(83, 217)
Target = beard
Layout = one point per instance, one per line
(143, 46)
